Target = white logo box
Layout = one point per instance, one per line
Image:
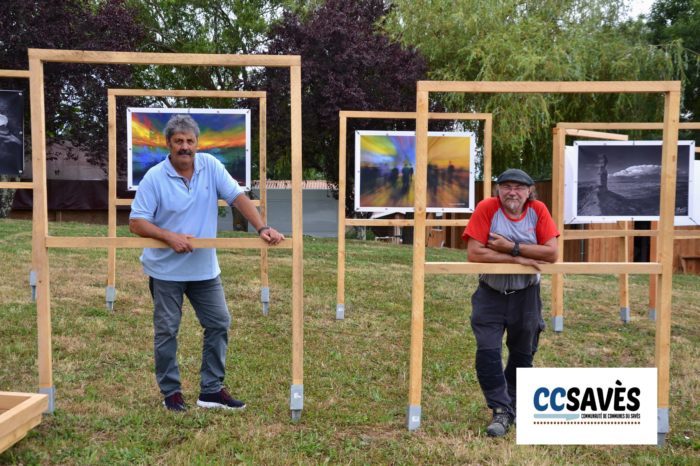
(586, 406)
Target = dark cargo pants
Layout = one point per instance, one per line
(519, 314)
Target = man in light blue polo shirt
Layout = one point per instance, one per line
(177, 201)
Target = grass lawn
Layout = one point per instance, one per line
(108, 407)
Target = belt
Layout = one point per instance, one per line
(504, 292)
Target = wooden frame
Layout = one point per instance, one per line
(401, 137)
(580, 129)
(19, 413)
(114, 201)
(37, 58)
(343, 221)
(664, 266)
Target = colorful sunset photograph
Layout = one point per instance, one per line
(385, 167)
(224, 133)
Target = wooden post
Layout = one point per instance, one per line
(653, 279)
(262, 161)
(342, 186)
(558, 147)
(488, 135)
(110, 292)
(669, 159)
(40, 230)
(623, 278)
(297, 390)
(418, 286)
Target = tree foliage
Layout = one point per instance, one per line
(534, 40)
(678, 21)
(347, 64)
(203, 26)
(75, 96)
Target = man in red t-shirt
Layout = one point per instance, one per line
(511, 228)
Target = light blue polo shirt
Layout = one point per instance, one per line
(165, 199)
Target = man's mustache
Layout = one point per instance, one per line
(184, 152)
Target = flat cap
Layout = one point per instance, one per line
(515, 175)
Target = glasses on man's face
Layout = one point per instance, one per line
(521, 188)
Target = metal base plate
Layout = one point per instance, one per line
(32, 283)
(265, 300)
(625, 315)
(660, 440)
(652, 315)
(110, 297)
(296, 400)
(51, 392)
(662, 426)
(558, 323)
(413, 417)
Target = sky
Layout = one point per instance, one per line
(640, 7)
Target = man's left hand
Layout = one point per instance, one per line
(499, 243)
(271, 236)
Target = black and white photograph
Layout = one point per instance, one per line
(621, 180)
(11, 133)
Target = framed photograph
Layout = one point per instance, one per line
(11, 133)
(610, 181)
(385, 165)
(223, 133)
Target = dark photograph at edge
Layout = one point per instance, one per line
(11, 133)
(625, 180)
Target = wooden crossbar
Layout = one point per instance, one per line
(651, 268)
(92, 242)
(545, 87)
(143, 58)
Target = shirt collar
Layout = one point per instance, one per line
(170, 170)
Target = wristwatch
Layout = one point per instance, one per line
(263, 228)
(516, 249)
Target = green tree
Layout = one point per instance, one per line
(535, 40)
(678, 21)
(203, 26)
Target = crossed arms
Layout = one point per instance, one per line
(498, 249)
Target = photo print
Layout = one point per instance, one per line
(621, 180)
(11, 133)
(224, 133)
(385, 164)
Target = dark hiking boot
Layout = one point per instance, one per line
(500, 423)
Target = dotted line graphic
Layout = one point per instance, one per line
(585, 422)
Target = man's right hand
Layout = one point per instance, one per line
(180, 243)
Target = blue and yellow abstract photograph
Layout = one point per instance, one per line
(387, 163)
(224, 133)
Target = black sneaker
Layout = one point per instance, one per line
(175, 402)
(500, 423)
(219, 399)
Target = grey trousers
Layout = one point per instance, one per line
(207, 299)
